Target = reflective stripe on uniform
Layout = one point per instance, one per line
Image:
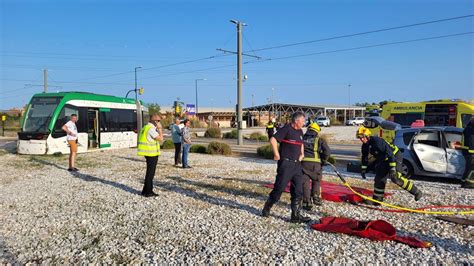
(316, 154)
(392, 164)
(364, 167)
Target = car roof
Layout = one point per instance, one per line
(439, 128)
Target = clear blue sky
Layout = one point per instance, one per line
(79, 41)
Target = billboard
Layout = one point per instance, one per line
(190, 109)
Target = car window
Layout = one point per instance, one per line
(407, 137)
(429, 138)
(452, 138)
(465, 118)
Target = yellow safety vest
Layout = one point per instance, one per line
(316, 158)
(269, 126)
(145, 147)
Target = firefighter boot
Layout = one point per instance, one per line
(296, 216)
(266, 208)
(373, 203)
(308, 205)
(418, 194)
(317, 201)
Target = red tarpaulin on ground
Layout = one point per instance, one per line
(338, 193)
(378, 230)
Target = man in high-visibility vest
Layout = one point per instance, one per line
(468, 147)
(388, 164)
(149, 146)
(270, 129)
(316, 153)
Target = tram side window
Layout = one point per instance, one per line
(63, 118)
(118, 120)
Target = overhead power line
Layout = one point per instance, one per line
(361, 33)
(156, 67)
(363, 47)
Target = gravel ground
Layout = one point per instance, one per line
(208, 214)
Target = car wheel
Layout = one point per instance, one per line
(407, 169)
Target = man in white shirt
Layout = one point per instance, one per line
(71, 130)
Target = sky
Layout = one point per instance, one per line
(94, 46)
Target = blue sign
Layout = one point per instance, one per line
(190, 109)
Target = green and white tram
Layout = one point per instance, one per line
(103, 122)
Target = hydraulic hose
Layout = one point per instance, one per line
(405, 209)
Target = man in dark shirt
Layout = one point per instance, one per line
(289, 156)
(468, 146)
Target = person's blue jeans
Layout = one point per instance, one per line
(186, 147)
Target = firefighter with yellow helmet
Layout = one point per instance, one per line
(316, 153)
(388, 164)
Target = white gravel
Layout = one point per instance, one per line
(208, 214)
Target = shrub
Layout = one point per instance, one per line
(255, 135)
(213, 132)
(334, 122)
(265, 151)
(196, 148)
(195, 123)
(231, 135)
(167, 144)
(218, 148)
(263, 138)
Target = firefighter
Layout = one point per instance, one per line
(388, 164)
(289, 156)
(270, 129)
(468, 147)
(316, 153)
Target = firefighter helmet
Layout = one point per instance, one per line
(314, 127)
(363, 132)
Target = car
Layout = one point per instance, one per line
(322, 121)
(430, 151)
(356, 121)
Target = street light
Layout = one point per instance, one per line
(349, 86)
(196, 82)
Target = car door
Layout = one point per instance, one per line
(427, 146)
(456, 162)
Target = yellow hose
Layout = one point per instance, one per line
(407, 209)
(344, 182)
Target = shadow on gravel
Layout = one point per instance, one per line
(9, 147)
(131, 159)
(44, 162)
(207, 198)
(221, 188)
(90, 178)
(6, 257)
(449, 244)
(258, 160)
(218, 201)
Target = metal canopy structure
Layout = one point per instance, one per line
(279, 110)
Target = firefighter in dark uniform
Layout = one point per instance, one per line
(289, 157)
(270, 129)
(468, 147)
(316, 153)
(388, 164)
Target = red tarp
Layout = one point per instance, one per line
(338, 193)
(378, 230)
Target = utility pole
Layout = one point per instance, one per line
(252, 101)
(45, 80)
(136, 90)
(273, 103)
(349, 86)
(239, 80)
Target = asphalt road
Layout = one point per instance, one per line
(342, 152)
